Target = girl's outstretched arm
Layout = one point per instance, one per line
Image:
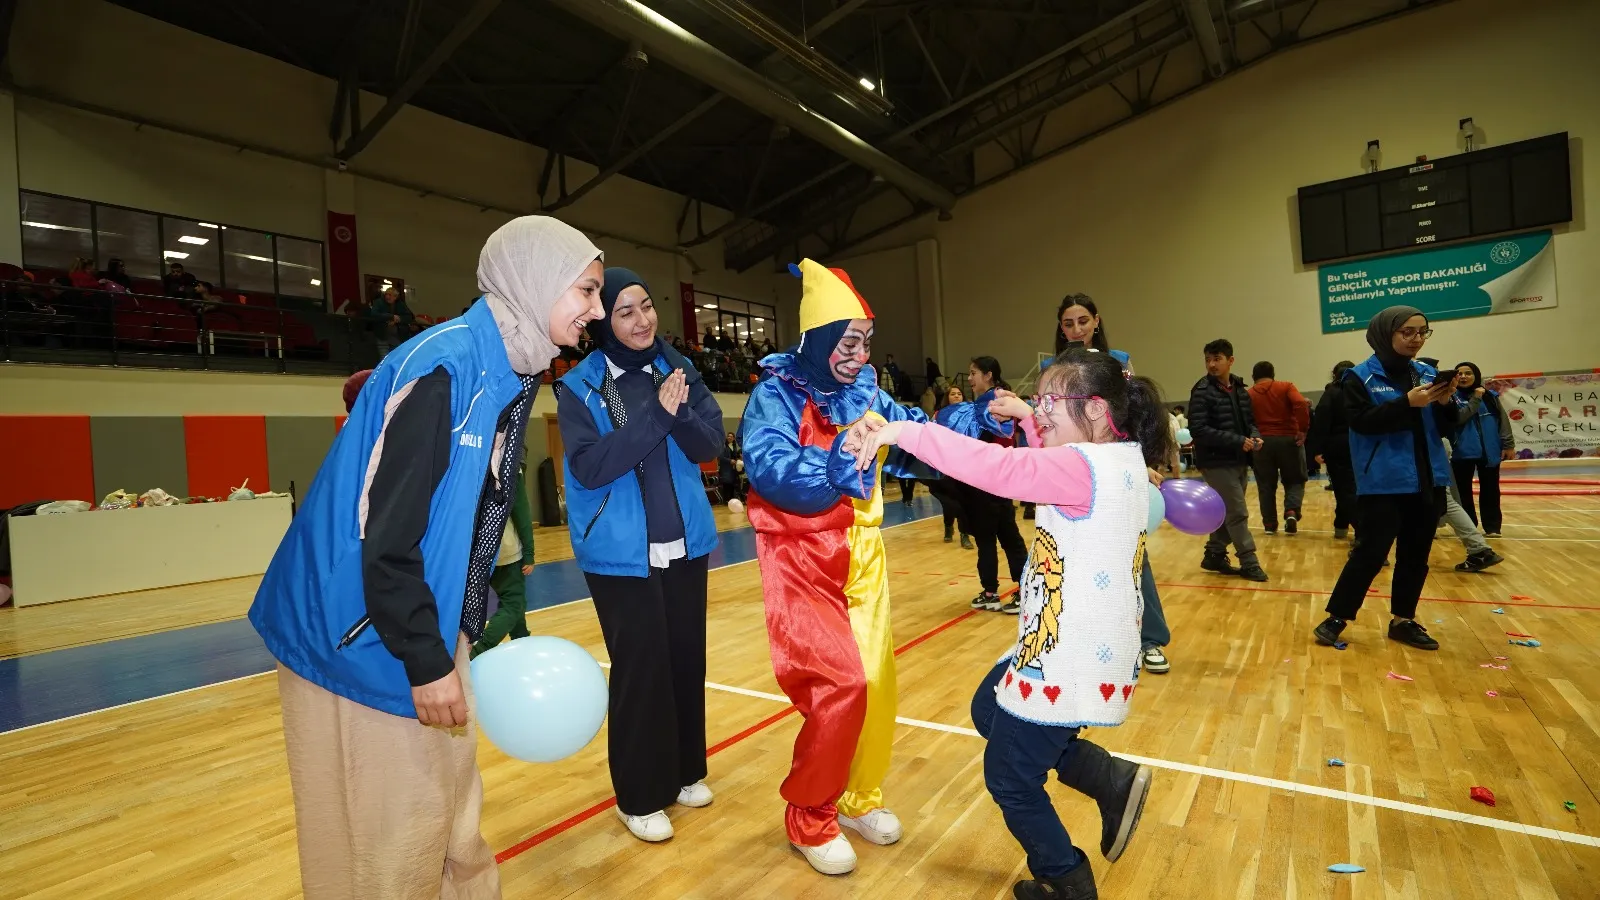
(1058, 476)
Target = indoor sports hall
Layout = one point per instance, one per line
(248, 249)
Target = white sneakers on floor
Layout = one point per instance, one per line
(836, 857)
(695, 795)
(879, 826)
(656, 827)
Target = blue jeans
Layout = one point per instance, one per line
(1016, 765)
(1154, 631)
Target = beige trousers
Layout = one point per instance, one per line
(386, 808)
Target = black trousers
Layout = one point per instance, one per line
(1405, 521)
(993, 520)
(1488, 491)
(655, 631)
(1342, 475)
(948, 494)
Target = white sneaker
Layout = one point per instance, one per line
(879, 826)
(653, 828)
(836, 857)
(695, 795)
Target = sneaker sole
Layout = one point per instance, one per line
(697, 805)
(1131, 812)
(621, 817)
(1415, 646)
(826, 868)
(871, 837)
(1161, 669)
(1324, 641)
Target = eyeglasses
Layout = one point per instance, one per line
(1046, 403)
(1409, 333)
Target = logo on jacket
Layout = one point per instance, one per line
(474, 441)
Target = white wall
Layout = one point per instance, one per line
(1181, 224)
(184, 79)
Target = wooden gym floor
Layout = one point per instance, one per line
(187, 795)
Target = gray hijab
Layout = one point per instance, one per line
(525, 266)
(1380, 337)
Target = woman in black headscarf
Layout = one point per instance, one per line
(1396, 409)
(1484, 440)
(636, 423)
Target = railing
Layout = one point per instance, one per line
(97, 326)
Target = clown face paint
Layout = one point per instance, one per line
(852, 351)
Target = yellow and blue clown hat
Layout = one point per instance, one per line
(826, 295)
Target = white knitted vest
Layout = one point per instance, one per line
(1077, 656)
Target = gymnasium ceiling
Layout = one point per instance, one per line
(951, 80)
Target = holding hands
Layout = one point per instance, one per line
(674, 391)
(869, 435)
(1007, 405)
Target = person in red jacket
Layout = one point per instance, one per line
(1283, 416)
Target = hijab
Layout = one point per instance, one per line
(525, 266)
(626, 358)
(1489, 399)
(1380, 337)
(811, 357)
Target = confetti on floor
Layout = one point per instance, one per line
(1571, 807)
(1335, 761)
(1491, 693)
(1401, 677)
(1482, 795)
(1526, 643)
(1498, 612)
(1340, 645)
(1517, 634)
(1502, 657)
(1493, 666)
(1345, 868)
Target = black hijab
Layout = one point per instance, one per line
(1477, 382)
(1380, 337)
(617, 280)
(811, 357)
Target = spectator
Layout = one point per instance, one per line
(117, 273)
(178, 283)
(1483, 441)
(767, 348)
(724, 343)
(1284, 416)
(1329, 443)
(392, 319)
(947, 490)
(1224, 433)
(1397, 408)
(708, 341)
(930, 370)
(82, 276)
(892, 367)
(1179, 416)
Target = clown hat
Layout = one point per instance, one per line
(826, 295)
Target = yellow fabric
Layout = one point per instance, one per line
(824, 297)
(869, 512)
(867, 592)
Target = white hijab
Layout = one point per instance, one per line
(525, 266)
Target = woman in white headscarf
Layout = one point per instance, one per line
(380, 585)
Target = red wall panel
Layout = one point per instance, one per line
(45, 458)
(224, 451)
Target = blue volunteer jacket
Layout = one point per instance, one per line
(1479, 438)
(607, 522)
(311, 599)
(1386, 463)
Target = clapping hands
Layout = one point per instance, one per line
(674, 391)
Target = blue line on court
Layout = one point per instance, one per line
(44, 687)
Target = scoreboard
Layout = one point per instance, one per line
(1523, 185)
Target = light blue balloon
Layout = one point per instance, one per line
(540, 698)
(1184, 437)
(1158, 508)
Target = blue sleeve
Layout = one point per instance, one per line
(892, 411)
(596, 460)
(785, 474)
(972, 419)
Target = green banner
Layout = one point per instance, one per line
(1456, 282)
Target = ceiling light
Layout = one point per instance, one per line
(198, 241)
(55, 227)
(316, 282)
(710, 306)
(173, 254)
(759, 319)
(205, 225)
(867, 83)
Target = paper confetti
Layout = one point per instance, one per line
(1482, 795)
(1521, 597)
(1571, 807)
(1335, 761)
(1493, 666)
(1498, 612)
(1491, 693)
(1345, 868)
(1401, 677)
(1517, 634)
(1340, 645)
(1502, 657)
(1438, 621)
(1527, 643)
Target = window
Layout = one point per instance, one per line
(55, 232)
(740, 320)
(299, 267)
(130, 236)
(195, 245)
(246, 260)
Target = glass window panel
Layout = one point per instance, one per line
(300, 268)
(55, 232)
(765, 312)
(130, 236)
(195, 245)
(703, 319)
(732, 305)
(246, 260)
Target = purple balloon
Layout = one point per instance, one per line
(1193, 507)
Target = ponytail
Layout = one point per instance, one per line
(1145, 420)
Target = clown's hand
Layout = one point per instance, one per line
(860, 429)
(886, 435)
(1007, 405)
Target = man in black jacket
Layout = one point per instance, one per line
(1329, 443)
(1224, 433)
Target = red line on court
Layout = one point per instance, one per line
(1227, 587)
(579, 818)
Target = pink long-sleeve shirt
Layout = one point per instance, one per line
(1058, 476)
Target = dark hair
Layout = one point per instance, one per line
(1262, 370)
(941, 399)
(1341, 367)
(1220, 347)
(1098, 342)
(990, 366)
(1137, 409)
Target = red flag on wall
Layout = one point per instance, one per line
(344, 267)
(691, 332)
